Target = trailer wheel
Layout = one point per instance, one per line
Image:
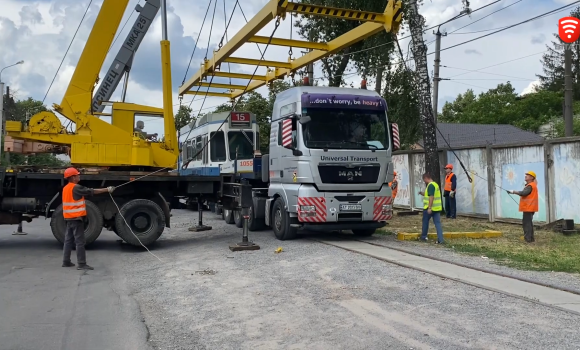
(253, 223)
(228, 216)
(238, 218)
(146, 220)
(281, 222)
(364, 233)
(93, 226)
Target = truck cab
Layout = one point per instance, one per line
(329, 163)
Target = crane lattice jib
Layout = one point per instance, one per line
(372, 24)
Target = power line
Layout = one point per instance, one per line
(196, 41)
(474, 71)
(484, 17)
(498, 64)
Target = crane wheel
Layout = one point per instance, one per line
(238, 219)
(228, 216)
(93, 226)
(146, 220)
(255, 224)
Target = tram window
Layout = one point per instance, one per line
(239, 141)
(257, 140)
(198, 147)
(217, 147)
(190, 149)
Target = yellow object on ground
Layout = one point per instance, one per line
(405, 236)
(278, 250)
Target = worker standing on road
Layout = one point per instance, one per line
(528, 205)
(449, 192)
(75, 213)
(394, 185)
(432, 208)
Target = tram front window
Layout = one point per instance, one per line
(241, 143)
(218, 147)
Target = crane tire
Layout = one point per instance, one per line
(93, 226)
(146, 219)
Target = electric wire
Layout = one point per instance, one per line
(484, 17)
(66, 52)
(196, 41)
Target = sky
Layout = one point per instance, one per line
(39, 32)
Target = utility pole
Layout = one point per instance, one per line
(436, 78)
(568, 92)
(419, 49)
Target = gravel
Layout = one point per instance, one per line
(314, 296)
(558, 279)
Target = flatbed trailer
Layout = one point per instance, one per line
(144, 199)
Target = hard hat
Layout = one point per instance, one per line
(531, 173)
(70, 172)
(395, 173)
(449, 166)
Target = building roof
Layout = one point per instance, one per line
(481, 135)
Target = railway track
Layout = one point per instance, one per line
(560, 298)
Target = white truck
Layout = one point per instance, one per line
(328, 167)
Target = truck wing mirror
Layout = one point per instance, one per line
(395, 140)
(304, 119)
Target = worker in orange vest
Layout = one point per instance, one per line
(449, 192)
(74, 211)
(394, 185)
(528, 205)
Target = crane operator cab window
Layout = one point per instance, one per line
(139, 130)
(242, 144)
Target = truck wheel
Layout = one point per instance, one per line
(93, 226)
(281, 222)
(253, 223)
(146, 220)
(238, 218)
(219, 211)
(228, 216)
(364, 233)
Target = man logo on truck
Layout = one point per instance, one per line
(350, 174)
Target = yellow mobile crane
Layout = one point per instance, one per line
(94, 141)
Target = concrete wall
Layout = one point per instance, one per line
(494, 170)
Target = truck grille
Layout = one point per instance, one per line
(332, 174)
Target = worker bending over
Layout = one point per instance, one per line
(449, 192)
(432, 208)
(74, 211)
(394, 185)
(528, 204)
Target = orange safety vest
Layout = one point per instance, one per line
(72, 209)
(448, 182)
(529, 203)
(395, 190)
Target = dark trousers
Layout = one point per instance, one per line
(436, 220)
(75, 234)
(528, 223)
(450, 206)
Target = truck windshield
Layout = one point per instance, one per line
(345, 129)
(242, 143)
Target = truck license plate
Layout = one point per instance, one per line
(350, 207)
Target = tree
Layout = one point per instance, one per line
(183, 117)
(368, 59)
(553, 65)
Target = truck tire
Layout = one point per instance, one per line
(238, 219)
(364, 233)
(146, 219)
(253, 223)
(93, 226)
(281, 222)
(228, 216)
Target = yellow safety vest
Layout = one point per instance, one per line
(437, 206)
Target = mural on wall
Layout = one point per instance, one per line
(401, 164)
(566, 175)
(513, 179)
(472, 198)
(418, 160)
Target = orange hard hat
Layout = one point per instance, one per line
(395, 173)
(449, 166)
(70, 172)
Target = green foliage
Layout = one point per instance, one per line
(558, 127)
(19, 111)
(502, 105)
(182, 117)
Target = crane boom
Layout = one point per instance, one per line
(122, 63)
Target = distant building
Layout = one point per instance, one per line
(480, 135)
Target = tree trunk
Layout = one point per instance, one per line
(379, 82)
(336, 78)
(419, 49)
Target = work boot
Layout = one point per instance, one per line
(84, 267)
(67, 264)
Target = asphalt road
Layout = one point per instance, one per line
(44, 306)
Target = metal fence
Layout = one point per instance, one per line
(556, 163)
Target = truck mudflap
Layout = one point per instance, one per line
(319, 210)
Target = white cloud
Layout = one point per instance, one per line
(530, 88)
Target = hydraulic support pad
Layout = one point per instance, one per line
(245, 244)
(200, 226)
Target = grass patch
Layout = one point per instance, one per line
(552, 251)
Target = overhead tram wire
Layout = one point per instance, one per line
(66, 52)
